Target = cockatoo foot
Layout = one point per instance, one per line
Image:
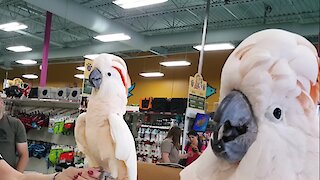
(105, 175)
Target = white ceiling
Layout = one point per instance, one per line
(171, 27)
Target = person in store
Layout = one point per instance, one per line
(8, 173)
(170, 147)
(194, 147)
(13, 140)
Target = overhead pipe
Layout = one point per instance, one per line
(187, 38)
(204, 33)
(90, 19)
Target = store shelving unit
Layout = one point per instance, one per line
(42, 134)
(44, 103)
(149, 129)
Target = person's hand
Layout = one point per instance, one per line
(190, 154)
(185, 156)
(195, 149)
(78, 174)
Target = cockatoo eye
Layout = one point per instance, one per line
(274, 113)
(109, 73)
(277, 113)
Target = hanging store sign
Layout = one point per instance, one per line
(197, 92)
(86, 87)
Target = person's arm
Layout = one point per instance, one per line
(7, 172)
(166, 147)
(183, 156)
(165, 157)
(23, 153)
(21, 146)
(69, 174)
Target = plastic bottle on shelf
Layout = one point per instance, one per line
(153, 135)
(147, 134)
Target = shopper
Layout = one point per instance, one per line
(170, 147)
(194, 147)
(13, 140)
(8, 173)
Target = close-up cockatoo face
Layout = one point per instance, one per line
(267, 127)
(109, 79)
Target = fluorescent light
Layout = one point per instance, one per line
(175, 63)
(13, 26)
(113, 37)
(152, 74)
(30, 76)
(91, 56)
(80, 76)
(26, 61)
(80, 68)
(214, 47)
(127, 4)
(19, 48)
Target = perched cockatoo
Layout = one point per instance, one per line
(101, 133)
(267, 123)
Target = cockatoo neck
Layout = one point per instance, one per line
(106, 106)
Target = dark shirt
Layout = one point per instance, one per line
(12, 132)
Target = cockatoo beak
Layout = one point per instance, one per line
(236, 129)
(95, 78)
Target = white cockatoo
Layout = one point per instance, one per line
(267, 123)
(101, 133)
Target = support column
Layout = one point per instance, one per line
(319, 45)
(45, 52)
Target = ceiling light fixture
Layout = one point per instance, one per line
(30, 76)
(175, 63)
(80, 68)
(13, 26)
(215, 47)
(91, 56)
(80, 76)
(112, 37)
(26, 61)
(128, 4)
(152, 74)
(19, 48)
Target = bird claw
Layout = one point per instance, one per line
(105, 175)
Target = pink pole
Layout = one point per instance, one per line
(45, 52)
(319, 44)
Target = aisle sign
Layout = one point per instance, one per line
(86, 87)
(197, 92)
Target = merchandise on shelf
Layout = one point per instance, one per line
(148, 143)
(38, 149)
(61, 124)
(33, 120)
(174, 105)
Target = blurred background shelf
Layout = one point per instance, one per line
(44, 103)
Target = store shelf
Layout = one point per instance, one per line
(156, 113)
(45, 103)
(155, 127)
(45, 136)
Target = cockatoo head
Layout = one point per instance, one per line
(269, 92)
(110, 81)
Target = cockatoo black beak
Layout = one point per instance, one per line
(236, 127)
(95, 78)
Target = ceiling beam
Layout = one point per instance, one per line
(89, 19)
(189, 38)
(38, 38)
